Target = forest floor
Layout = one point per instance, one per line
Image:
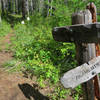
(13, 86)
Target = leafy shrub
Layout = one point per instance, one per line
(35, 46)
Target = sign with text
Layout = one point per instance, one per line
(81, 74)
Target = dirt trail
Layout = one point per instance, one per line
(14, 86)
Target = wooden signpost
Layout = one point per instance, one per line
(84, 33)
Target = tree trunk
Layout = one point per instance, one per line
(16, 6)
(31, 6)
(20, 7)
(25, 8)
(3, 3)
(9, 5)
(0, 11)
(41, 6)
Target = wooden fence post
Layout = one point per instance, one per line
(92, 8)
(85, 52)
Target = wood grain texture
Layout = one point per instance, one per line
(83, 33)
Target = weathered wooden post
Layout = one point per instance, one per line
(93, 10)
(84, 36)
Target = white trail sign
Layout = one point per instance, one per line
(81, 74)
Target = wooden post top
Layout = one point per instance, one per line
(83, 33)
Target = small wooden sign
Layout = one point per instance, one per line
(81, 74)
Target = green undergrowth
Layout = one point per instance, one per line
(4, 28)
(39, 54)
(34, 45)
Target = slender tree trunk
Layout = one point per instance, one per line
(16, 6)
(2, 6)
(31, 6)
(35, 5)
(9, 5)
(3, 3)
(20, 6)
(13, 6)
(0, 11)
(25, 8)
(41, 6)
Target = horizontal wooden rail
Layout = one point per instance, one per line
(84, 33)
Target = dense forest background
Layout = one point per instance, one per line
(44, 7)
(34, 49)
